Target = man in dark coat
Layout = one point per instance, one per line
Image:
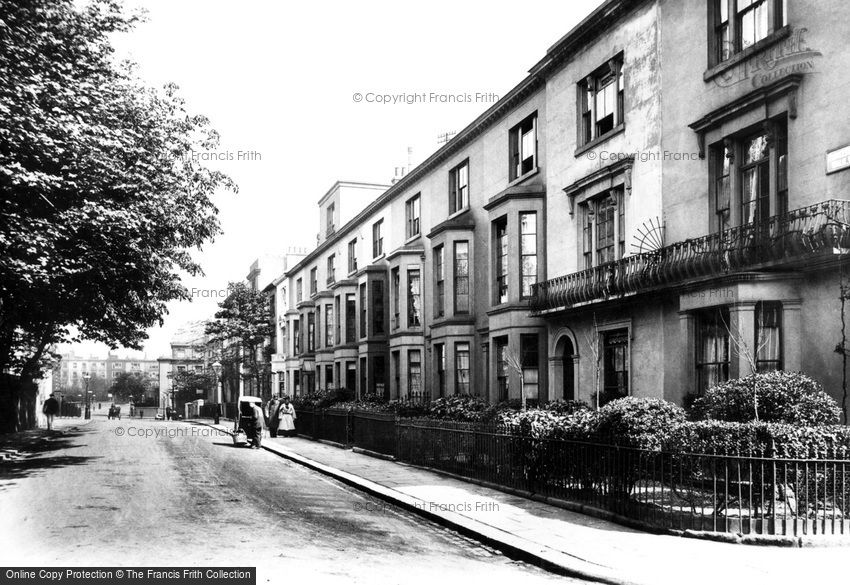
(50, 410)
(273, 407)
(256, 426)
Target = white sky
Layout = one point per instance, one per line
(278, 78)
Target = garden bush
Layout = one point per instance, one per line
(580, 425)
(756, 439)
(459, 408)
(644, 423)
(783, 397)
(375, 403)
(322, 398)
(565, 406)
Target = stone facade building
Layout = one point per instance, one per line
(658, 206)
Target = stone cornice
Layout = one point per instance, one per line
(754, 99)
(533, 191)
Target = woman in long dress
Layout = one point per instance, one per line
(286, 418)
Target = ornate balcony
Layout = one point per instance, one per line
(822, 228)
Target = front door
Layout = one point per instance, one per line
(569, 371)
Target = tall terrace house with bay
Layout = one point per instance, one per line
(711, 244)
(304, 292)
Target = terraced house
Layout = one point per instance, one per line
(658, 206)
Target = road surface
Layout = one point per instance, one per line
(144, 492)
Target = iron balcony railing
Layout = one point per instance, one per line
(820, 228)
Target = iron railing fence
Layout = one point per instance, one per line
(307, 423)
(333, 425)
(748, 494)
(423, 398)
(820, 228)
(364, 429)
(374, 431)
(720, 493)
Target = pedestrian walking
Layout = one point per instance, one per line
(286, 416)
(255, 426)
(274, 405)
(50, 410)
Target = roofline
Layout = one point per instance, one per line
(582, 33)
(339, 184)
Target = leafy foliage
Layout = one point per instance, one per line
(188, 385)
(460, 408)
(323, 398)
(783, 397)
(565, 406)
(639, 422)
(242, 325)
(760, 439)
(127, 387)
(101, 199)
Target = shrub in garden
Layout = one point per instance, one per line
(755, 439)
(565, 406)
(581, 425)
(322, 398)
(782, 397)
(639, 422)
(460, 408)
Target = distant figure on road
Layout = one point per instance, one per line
(50, 410)
(286, 416)
(255, 428)
(274, 405)
(168, 413)
(132, 410)
(99, 405)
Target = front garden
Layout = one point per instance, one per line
(758, 455)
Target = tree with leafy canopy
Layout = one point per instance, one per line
(242, 326)
(190, 385)
(101, 200)
(128, 386)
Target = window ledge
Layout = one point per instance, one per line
(600, 139)
(522, 178)
(737, 58)
(458, 212)
(413, 238)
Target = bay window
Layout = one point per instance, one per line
(462, 368)
(768, 336)
(528, 252)
(414, 308)
(461, 277)
(712, 360)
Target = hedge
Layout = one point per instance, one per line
(783, 397)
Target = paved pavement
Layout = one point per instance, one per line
(146, 492)
(575, 543)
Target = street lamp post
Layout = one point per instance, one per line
(217, 369)
(87, 377)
